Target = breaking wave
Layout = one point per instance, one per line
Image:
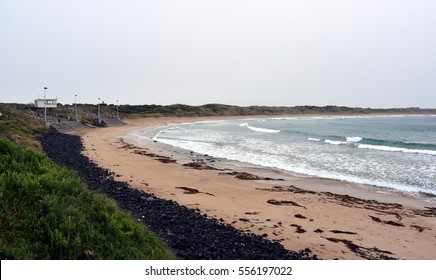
(259, 129)
(378, 144)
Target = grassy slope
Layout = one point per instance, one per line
(20, 128)
(46, 212)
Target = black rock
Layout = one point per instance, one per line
(190, 234)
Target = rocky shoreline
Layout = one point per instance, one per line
(190, 234)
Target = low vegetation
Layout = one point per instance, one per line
(19, 127)
(182, 110)
(88, 112)
(47, 212)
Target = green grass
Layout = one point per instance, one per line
(19, 127)
(46, 212)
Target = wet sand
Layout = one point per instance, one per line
(334, 219)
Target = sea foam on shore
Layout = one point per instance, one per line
(395, 152)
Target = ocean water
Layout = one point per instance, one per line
(395, 152)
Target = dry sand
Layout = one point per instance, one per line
(299, 212)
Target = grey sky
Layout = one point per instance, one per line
(365, 53)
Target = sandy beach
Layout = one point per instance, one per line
(334, 219)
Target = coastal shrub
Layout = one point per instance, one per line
(46, 212)
(19, 127)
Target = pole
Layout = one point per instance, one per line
(75, 106)
(45, 106)
(98, 110)
(117, 110)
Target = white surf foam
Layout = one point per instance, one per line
(259, 129)
(396, 149)
(333, 142)
(354, 139)
(299, 159)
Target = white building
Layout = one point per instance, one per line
(46, 103)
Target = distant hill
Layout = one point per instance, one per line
(230, 110)
(87, 112)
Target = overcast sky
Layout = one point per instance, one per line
(363, 53)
